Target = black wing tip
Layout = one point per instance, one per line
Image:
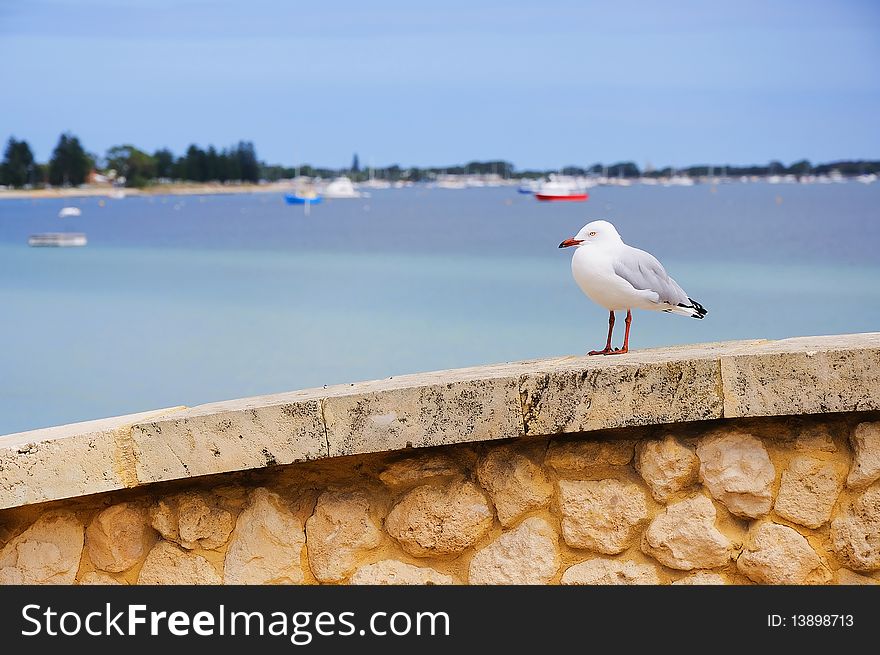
(697, 307)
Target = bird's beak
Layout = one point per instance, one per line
(571, 242)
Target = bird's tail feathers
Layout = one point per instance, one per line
(694, 310)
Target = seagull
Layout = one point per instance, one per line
(617, 277)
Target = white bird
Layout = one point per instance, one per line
(617, 277)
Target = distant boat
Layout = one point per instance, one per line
(870, 178)
(302, 198)
(67, 212)
(341, 187)
(529, 186)
(450, 182)
(559, 187)
(57, 240)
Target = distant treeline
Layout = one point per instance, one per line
(70, 165)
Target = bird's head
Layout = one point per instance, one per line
(593, 232)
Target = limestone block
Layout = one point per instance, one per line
(701, 578)
(68, 461)
(865, 442)
(588, 456)
(601, 515)
(440, 519)
(603, 571)
(808, 491)
(777, 554)
(419, 469)
(425, 410)
(98, 578)
(644, 389)
(118, 537)
(514, 481)
(855, 533)
(684, 536)
(667, 466)
(166, 564)
(807, 375)
(48, 552)
(737, 471)
(194, 519)
(341, 528)
(234, 435)
(266, 544)
(393, 572)
(526, 555)
(847, 577)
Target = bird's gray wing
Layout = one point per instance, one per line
(642, 270)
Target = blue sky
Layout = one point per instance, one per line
(543, 84)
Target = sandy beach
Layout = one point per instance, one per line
(157, 190)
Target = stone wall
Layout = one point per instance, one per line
(735, 463)
(785, 500)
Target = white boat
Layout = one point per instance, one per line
(57, 240)
(67, 212)
(341, 187)
(561, 187)
(451, 182)
(870, 178)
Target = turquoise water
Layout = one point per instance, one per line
(190, 300)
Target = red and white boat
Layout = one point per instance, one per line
(561, 188)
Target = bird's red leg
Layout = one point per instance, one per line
(608, 348)
(625, 349)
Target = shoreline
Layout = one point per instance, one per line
(161, 190)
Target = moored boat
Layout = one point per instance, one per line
(57, 240)
(561, 188)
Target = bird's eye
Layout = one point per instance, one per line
(592, 234)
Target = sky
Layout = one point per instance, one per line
(542, 84)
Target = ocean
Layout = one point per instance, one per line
(181, 300)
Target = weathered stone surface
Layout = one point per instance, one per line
(526, 555)
(341, 527)
(701, 578)
(685, 537)
(118, 537)
(440, 520)
(808, 491)
(515, 483)
(266, 544)
(233, 435)
(777, 554)
(648, 387)
(847, 577)
(806, 375)
(193, 519)
(602, 571)
(419, 469)
(167, 564)
(393, 572)
(865, 469)
(48, 552)
(667, 465)
(737, 471)
(587, 456)
(98, 578)
(601, 515)
(815, 439)
(68, 461)
(423, 410)
(855, 533)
